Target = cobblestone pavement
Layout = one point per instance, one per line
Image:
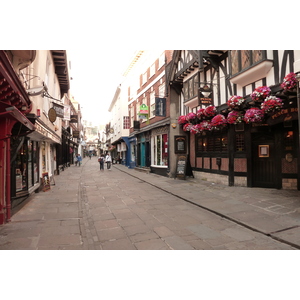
(124, 209)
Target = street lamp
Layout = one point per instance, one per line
(298, 108)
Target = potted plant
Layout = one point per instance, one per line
(260, 93)
(253, 115)
(289, 82)
(271, 103)
(235, 117)
(235, 102)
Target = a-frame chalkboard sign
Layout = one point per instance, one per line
(183, 167)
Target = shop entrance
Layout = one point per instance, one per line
(264, 164)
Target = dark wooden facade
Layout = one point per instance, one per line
(262, 154)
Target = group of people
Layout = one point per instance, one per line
(102, 159)
(106, 159)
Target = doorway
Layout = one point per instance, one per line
(264, 163)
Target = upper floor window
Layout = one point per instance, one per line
(190, 88)
(152, 70)
(161, 60)
(244, 59)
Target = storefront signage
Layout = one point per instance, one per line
(52, 115)
(180, 144)
(283, 115)
(75, 134)
(74, 119)
(59, 110)
(181, 166)
(206, 101)
(144, 109)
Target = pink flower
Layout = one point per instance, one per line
(234, 117)
(191, 116)
(289, 81)
(260, 93)
(182, 120)
(218, 120)
(271, 103)
(253, 115)
(235, 101)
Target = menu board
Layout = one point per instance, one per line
(45, 181)
(181, 166)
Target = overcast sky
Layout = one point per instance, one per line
(96, 74)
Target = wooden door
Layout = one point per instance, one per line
(264, 164)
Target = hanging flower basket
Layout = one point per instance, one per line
(187, 126)
(234, 117)
(271, 104)
(191, 116)
(195, 129)
(289, 82)
(253, 115)
(218, 120)
(235, 102)
(182, 119)
(210, 111)
(260, 93)
(200, 113)
(205, 126)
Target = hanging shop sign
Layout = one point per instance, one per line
(74, 119)
(59, 110)
(67, 112)
(144, 109)
(52, 115)
(160, 107)
(75, 134)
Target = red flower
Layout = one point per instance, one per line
(234, 117)
(210, 111)
(182, 120)
(271, 103)
(289, 81)
(218, 120)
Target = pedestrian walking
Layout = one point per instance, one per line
(79, 159)
(108, 161)
(101, 162)
(76, 160)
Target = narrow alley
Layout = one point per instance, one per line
(123, 209)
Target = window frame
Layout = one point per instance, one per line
(239, 62)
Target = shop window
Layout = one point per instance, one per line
(239, 142)
(160, 157)
(212, 143)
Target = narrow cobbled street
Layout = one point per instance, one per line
(124, 209)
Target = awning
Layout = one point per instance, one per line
(11, 112)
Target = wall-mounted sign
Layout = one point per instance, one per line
(144, 109)
(283, 115)
(52, 115)
(180, 144)
(59, 110)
